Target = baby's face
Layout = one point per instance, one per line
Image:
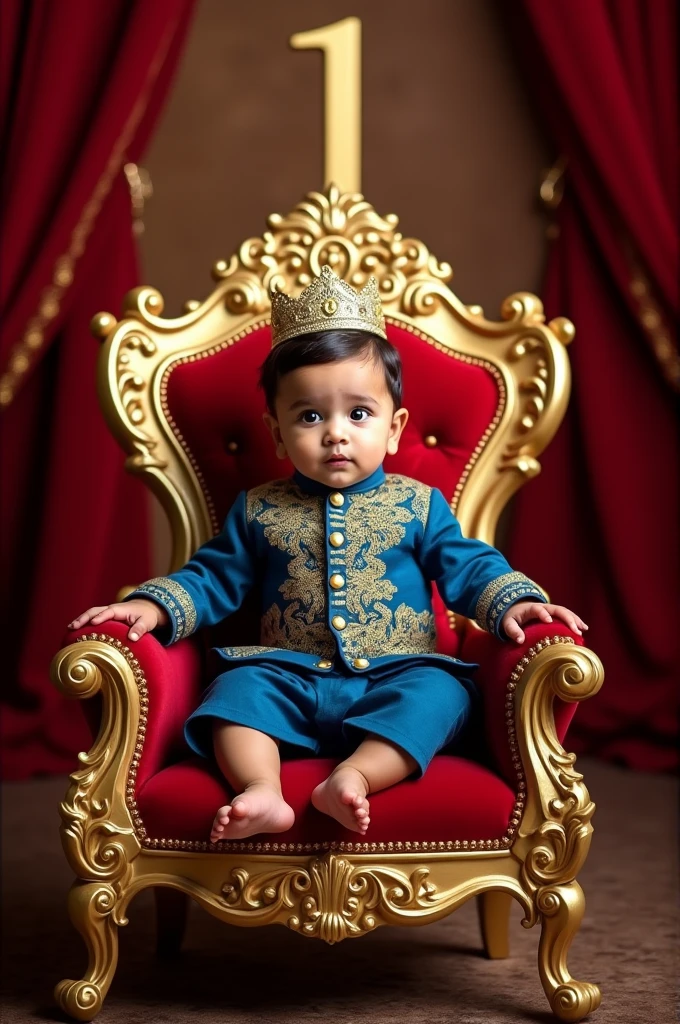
(336, 421)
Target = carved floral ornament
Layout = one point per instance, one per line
(345, 232)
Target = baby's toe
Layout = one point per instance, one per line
(239, 809)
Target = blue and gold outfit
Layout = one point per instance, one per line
(347, 637)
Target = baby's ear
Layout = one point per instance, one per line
(275, 430)
(399, 421)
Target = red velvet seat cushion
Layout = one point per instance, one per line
(456, 799)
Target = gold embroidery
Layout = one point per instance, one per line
(499, 594)
(376, 522)
(177, 601)
(246, 652)
(293, 522)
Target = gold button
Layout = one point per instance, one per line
(338, 622)
(324, 664)
(431, 441)
(336, 499)
(336, 539)
(361, 663)
(337, 581)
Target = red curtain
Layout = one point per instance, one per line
(81, 86)
(599, 527)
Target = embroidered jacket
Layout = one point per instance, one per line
(343, 574)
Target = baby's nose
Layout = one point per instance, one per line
(335, 432)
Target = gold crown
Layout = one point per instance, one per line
(327, 304)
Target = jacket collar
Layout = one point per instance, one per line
(310, 486)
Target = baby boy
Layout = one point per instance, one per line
(344, 556)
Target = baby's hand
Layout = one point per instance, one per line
(142, 616)
(524, 611)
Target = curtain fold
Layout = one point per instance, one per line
(605, 77)
(79, 96)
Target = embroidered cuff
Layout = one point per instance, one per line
(499, 595)
(176, 601)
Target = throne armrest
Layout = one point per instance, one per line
(152, 702)
(498, 662)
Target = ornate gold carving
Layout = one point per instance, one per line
(555, 831)
(97, 831)
(337, 229)
(561, 908)
(92, 910)
(333, 898)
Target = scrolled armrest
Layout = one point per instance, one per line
(151, 689)
(498, 660)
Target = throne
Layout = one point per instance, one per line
(506, 816)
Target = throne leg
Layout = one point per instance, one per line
(493, 908)
(90, 905)
(171, 920)
(561, 908)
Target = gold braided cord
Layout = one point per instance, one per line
(24, 353)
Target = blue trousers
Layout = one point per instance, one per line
(420, 705)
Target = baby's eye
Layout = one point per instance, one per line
(310, 416)
(359, 414)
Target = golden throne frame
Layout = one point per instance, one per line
(352, 889)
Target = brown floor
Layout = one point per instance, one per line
(627, 944)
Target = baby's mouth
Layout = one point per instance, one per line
(337, 460)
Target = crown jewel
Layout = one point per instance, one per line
(328, 303)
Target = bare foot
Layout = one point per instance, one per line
(343, 796)
(261, 808)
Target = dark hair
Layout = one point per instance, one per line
(329, 347)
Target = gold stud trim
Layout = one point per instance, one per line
(140, 679)
(336, 499)
(338, 622)
(500, 408)
(337, 581)
(336, 539)
(515, 676)
(192, 358)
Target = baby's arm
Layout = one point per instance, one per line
(206, 590)
(141, 616)
(473, 578)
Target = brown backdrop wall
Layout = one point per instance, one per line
(449, 143)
